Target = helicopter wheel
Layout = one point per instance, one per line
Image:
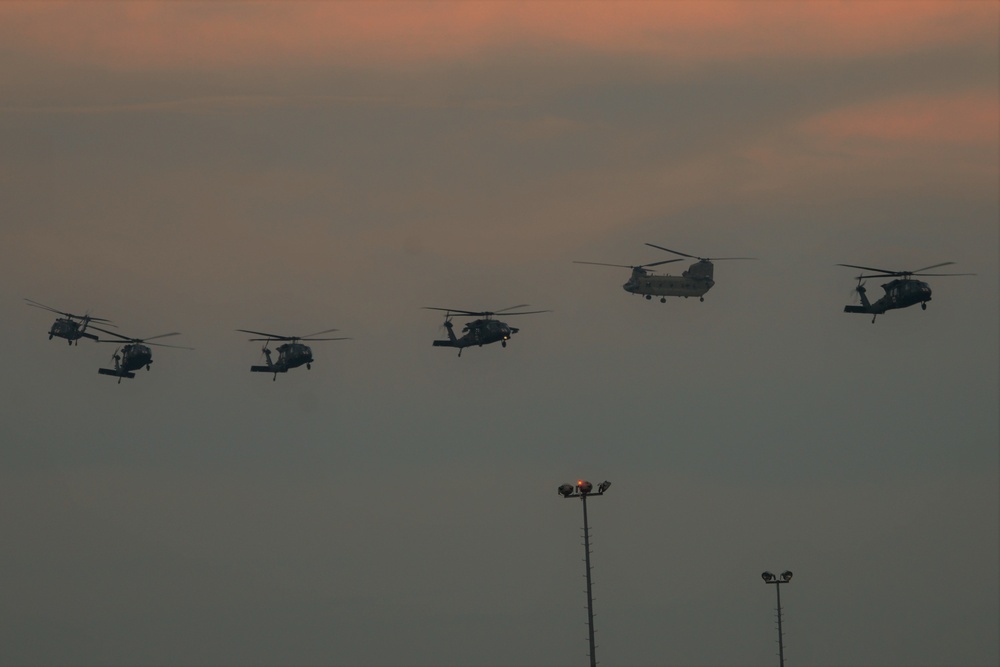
(663, 299)
(309, 367)
(503, 343)
(701, 298)
(648, 297)
(923, 306)
(147, 367)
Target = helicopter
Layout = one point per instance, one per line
(694, 282)
(481, 331)
(291, 354)
(69, 326)
(901, 292)
(135, 353)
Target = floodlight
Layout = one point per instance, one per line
(767, 577)
(603, 486)
(566, 490)
(786, 576)
(584, 486)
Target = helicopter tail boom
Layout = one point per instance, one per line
(117, 374)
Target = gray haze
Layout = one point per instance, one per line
(396, 504)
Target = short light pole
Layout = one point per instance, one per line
(783, 578)
(582, 490)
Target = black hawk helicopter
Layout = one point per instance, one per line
(481, 331)
(69, 326)
(697, 280)
(134, 354)
(291, 354)
(901, 292)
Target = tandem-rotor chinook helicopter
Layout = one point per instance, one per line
(68, 326)
(899, 293)
(481, 331)
(291, 354)
(697, 280)
(135, 353)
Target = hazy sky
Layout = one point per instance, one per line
(291, 167)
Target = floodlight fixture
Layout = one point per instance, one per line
(582, 490)
(784, 578)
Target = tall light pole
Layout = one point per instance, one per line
(582, 490)
(783, 578)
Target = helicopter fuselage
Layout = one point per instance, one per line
(290, 355)
(69, 329)
(478, 332)
(130, 357)
(697, 280)
(899, 293)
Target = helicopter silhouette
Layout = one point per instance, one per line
(69, 326)
(901, 292)
(697, 280)
(134, 354)
(291, 354)
(482, 331)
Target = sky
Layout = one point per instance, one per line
(202, 167)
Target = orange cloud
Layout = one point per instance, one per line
(968, 119)
(259, 34)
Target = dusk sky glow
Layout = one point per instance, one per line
(290, 167)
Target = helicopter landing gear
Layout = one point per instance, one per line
(923, 306)
(503, 343)
(648, 297)
(309, 367)
(663, 299)
(147, 367)
(701, 298)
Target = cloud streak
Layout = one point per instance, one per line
(210, 35)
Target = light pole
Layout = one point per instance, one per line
(783, 578)
(582, 490)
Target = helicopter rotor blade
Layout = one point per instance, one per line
(309, 336)
(868, 268)
(682, 254)
(504, 310)
(268, 336)
(703, 259)
(176, 347)
(457, 311)
(85, 317)
(666, 261)
(37, 304)
(339, 338)
(941, 274)
(112, 333)
(623, 266)
(932, 266)
(143, 340)
(527, 312)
